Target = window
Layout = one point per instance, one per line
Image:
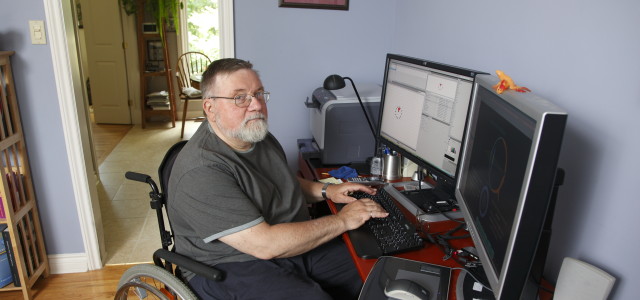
(207, 27)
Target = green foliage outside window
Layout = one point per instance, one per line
(162, 10)
(202, 21)
(203, 27)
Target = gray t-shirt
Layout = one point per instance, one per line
(215, 191)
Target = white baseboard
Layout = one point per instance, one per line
(68, 263)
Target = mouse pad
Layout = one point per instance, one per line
(434, 278)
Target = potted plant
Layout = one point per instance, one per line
(163, 11)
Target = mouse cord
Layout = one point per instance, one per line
(442, 240)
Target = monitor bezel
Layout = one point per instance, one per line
(442, 180)
(514, 280)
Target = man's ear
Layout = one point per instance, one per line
(207, 106)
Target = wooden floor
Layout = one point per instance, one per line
(106, 137)
(98, 284)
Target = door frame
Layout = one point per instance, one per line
(64, 52)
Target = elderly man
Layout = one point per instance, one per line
(234, 203)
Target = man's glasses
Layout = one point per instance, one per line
(243, 100)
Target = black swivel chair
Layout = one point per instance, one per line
(164, 276)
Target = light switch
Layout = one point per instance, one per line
(36, 29)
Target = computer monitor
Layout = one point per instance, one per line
(506, 182)
(424, 108)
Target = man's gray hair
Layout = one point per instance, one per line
(222, 66)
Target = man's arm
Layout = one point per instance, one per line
(266, 241)
(338, 193)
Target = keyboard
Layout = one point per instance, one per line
(384, 236)
(365, 180)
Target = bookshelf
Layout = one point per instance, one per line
(155, 69)
(16, 189)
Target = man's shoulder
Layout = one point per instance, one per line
(272, 140)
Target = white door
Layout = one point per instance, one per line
(106, 57)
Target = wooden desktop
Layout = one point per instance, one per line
(311, 169)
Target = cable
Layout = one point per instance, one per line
(373, 132)
(442, 241)
(484, 285)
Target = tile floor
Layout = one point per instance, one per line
(130, 225)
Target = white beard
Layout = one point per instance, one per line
(250, 133)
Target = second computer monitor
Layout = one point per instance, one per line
(424, 108)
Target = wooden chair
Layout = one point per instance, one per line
(190, 63)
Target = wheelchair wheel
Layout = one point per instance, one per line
(152, 282)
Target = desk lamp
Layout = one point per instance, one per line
(336, 82)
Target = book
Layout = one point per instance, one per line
(6, 277)
(10, 255)
(2, 213)
(17, 192)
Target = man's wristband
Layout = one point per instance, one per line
(324, 190)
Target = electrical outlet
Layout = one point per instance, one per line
(36, 29)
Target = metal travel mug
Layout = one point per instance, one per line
(391, 167)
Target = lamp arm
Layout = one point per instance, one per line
(363, 110)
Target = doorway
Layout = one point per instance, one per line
(65, 15)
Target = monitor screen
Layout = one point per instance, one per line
(506, 180)
(424, 108)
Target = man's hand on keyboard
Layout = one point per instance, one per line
(341, 193)
(357, 212)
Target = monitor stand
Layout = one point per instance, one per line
(468, 288)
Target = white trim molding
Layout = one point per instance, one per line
(68, 263)
(69, 92)
(227, 36)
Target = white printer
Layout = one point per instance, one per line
(338, 125)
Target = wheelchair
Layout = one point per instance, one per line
(163, 279)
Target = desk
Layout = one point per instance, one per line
(430, 253)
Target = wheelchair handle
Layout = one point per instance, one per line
(137, 176)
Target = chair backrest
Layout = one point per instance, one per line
(580, 280)
(170, 257)
(190, 63)
(164, 171)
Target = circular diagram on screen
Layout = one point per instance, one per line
(498, 165)
(483, 202)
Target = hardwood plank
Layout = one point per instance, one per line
(97, 284)
(106, 137)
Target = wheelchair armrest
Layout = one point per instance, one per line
(189, 264)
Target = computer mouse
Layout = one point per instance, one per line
(405, 289)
